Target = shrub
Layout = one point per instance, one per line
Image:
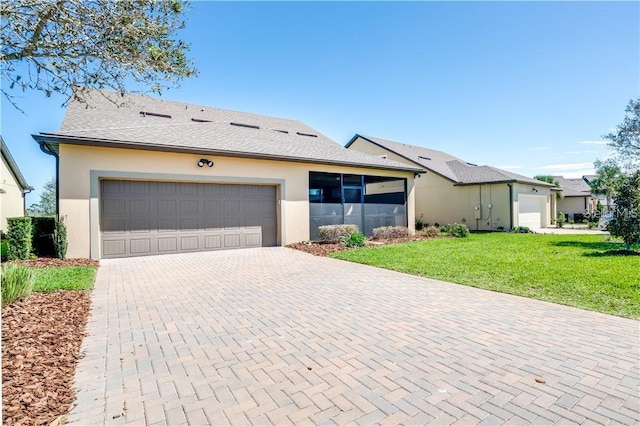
(500, 228)
(391, 232)
(522, 230)
(335, 232)
(60, 239)
(571, 222)
(19, 237)
(355, 239)
(457, 230)
(4, 248)
(578, 218)
(42, 230)
(419, 224)
(430, 231)
(561, 220)
(17, 283)
(592, 225)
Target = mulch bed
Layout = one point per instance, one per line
(320, 248)
(41, 340)
(46, 262)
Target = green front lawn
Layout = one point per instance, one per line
(573, 270)
(63, 278)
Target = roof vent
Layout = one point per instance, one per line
(423, 158)
(200, 120)
(154, 114)
(281, 131)
(250, 126)
(306, 134)
(471, 164)
(383, 156)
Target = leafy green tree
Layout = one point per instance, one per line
(626, 220)
(625, 140)
(553, 181)
(47, 204)
(67, 46)
(608, 179)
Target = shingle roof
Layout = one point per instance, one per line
(574, 187)
(452, 168)
(13, 167)
(149, 123)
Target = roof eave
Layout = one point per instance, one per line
(44, 139)
(13, 167)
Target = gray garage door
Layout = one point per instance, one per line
(144, 218)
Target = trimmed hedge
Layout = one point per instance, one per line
(335, 232)
(391, 232)
(43, 228)
(60, 239)
(19, 237)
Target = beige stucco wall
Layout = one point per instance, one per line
(11, 197)
(438, 200)
(572, 205)
(81, 167)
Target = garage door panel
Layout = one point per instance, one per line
(140, 218)
(530, 211)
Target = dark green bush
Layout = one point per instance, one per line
(42, 229)
(420, 223)
(522, 230)
(16, 283)
(60, 239)
(19, 237)
(355, 239)
(457, 230)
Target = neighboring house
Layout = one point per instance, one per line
(577, 197)
(155, 176)
(452, 190)
(13, 188)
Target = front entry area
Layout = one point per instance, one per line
(139, 218)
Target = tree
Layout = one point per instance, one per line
(608, 179)
(625, 140)
(626, 220)
(553, 181)
(47, 204)
(67, 46)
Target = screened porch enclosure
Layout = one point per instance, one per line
(366, 201)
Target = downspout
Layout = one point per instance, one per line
(510, 185)
(44, 147)
(24, 199)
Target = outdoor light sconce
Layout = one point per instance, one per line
(534, 190)
(204, 161)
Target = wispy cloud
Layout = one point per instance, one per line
(568, 166)
(593, 142)
(541, 148)
(510, 167)
(587, 151)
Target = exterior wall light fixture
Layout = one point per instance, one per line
(204, 162)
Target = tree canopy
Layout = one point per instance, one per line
(553, 181)
(66, 46)
(608, 179)
(626, 220)
(47, 204)
(625, 140)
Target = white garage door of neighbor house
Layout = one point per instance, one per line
(139, 218)
(531, 210)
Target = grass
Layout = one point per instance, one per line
(63, 278)
(573, 270)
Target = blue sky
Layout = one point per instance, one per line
(526, 86)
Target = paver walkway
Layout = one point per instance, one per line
(275, 336)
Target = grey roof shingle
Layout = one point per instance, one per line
(452, 168)
(149, 123)
(574, 187)
(13, 166)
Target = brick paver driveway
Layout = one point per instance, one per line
(278, 336)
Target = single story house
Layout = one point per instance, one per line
(140, 176)
(455, 191)
(13, 188)
(577, 198)
(599, 197)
